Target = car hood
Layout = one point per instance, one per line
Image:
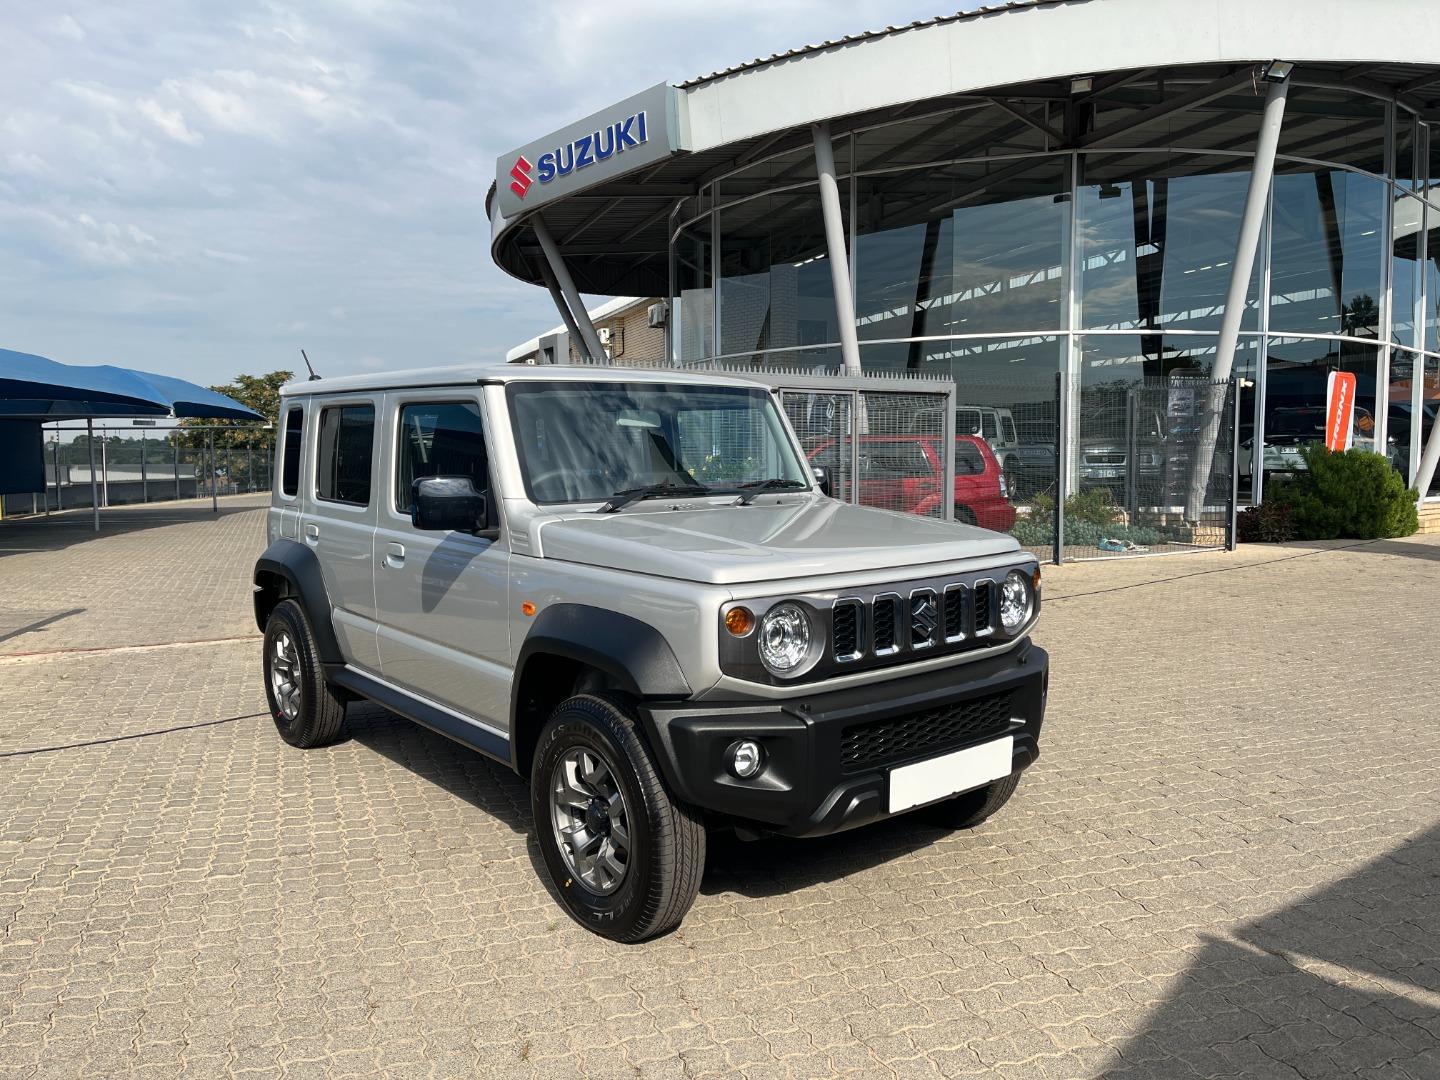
(727, 545)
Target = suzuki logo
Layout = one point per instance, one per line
(520, 176)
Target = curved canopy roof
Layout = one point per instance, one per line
(613, 226)
(35, 388)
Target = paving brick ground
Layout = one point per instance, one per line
(1226, 863)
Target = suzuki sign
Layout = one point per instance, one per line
(635, 133)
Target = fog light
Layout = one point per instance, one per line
(745, 758)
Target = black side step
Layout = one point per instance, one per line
(423, 713)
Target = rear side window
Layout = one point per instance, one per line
(342, 461)
(1007, 428)
(439, 438)
(968, 461)
(291, 449)
(989, 419)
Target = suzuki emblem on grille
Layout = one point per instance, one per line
(924, 618)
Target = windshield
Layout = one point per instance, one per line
(584, 442)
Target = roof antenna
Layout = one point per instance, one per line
(313, 376)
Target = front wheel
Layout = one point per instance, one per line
(306, 711)
(973, 807)
(625, 857)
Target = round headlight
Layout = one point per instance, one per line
(1016, 601)
(784, 638)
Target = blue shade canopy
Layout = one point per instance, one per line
(32, 387)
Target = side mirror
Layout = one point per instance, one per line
(822, 478)
(449, 503)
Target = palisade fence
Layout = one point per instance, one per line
(1149, 469)
(142, 467)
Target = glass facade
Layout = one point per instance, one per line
(1076, 295)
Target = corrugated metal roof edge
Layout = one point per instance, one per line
(870, 35)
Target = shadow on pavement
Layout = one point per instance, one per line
(1409, 549)
(753, 868)
(10, 630)
(1279, 996)
(66, 528)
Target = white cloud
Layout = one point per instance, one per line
(170, 121)
(213, 182)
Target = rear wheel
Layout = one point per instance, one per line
(1011, 472)
(973, 807)
(625, 857)
(306, 711)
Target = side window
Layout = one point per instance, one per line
(989, 418)
(968, 461)
(439, 438)
(293, 446)
(342, 462)
(967, 422)
(1007, 426)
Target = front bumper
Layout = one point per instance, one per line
(829, 756)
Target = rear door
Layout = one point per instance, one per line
(292, 456)
(441, 596)
(338, 518)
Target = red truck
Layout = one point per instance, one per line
(905, 472)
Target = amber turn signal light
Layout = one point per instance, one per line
(739, 621)
(527, 608)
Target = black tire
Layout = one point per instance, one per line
(315, 716)
(1011, 472)
(965, 516)
(972, 808)
(666, 855)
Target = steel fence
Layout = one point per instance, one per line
(141, 467)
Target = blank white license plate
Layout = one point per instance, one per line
(950, 774)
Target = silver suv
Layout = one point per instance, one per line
(629, 587)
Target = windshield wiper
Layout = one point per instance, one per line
(627, 496)
(756, 488)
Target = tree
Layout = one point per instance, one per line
(258, 392)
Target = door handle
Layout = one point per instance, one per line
(395, 556)
(312, 533)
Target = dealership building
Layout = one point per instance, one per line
(1050, 202)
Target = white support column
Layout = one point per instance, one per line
(1251, 223)
(588, 337)
(566, 315)
(837, 248)
(1428, 460)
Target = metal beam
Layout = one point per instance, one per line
(1251, 222)
(836, 242)
(1054, 134)
(1201, 95)
(588, 336)
(94, 486)
(572, 328)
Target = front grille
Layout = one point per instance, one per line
(955, 629)
(884, 637)
(984, 607)
(845, 629)
(924, 734)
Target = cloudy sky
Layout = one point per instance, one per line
(201, 189)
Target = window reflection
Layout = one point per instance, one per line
(1296, 381)
(1326, 251)
(1406, 226)
(693, 320)
(1429, 406)
(1405, 370)
(775, 287)
(1335, 125)
(1431, 277)
(1159, 234)
(967, 249)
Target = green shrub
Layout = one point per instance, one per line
(1095, 507)
(1268, 523)
(1353, 493)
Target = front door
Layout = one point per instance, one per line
(441, 596)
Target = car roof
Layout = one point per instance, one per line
(475, 374)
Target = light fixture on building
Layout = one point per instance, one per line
(1082, 85)
(1277, 70)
